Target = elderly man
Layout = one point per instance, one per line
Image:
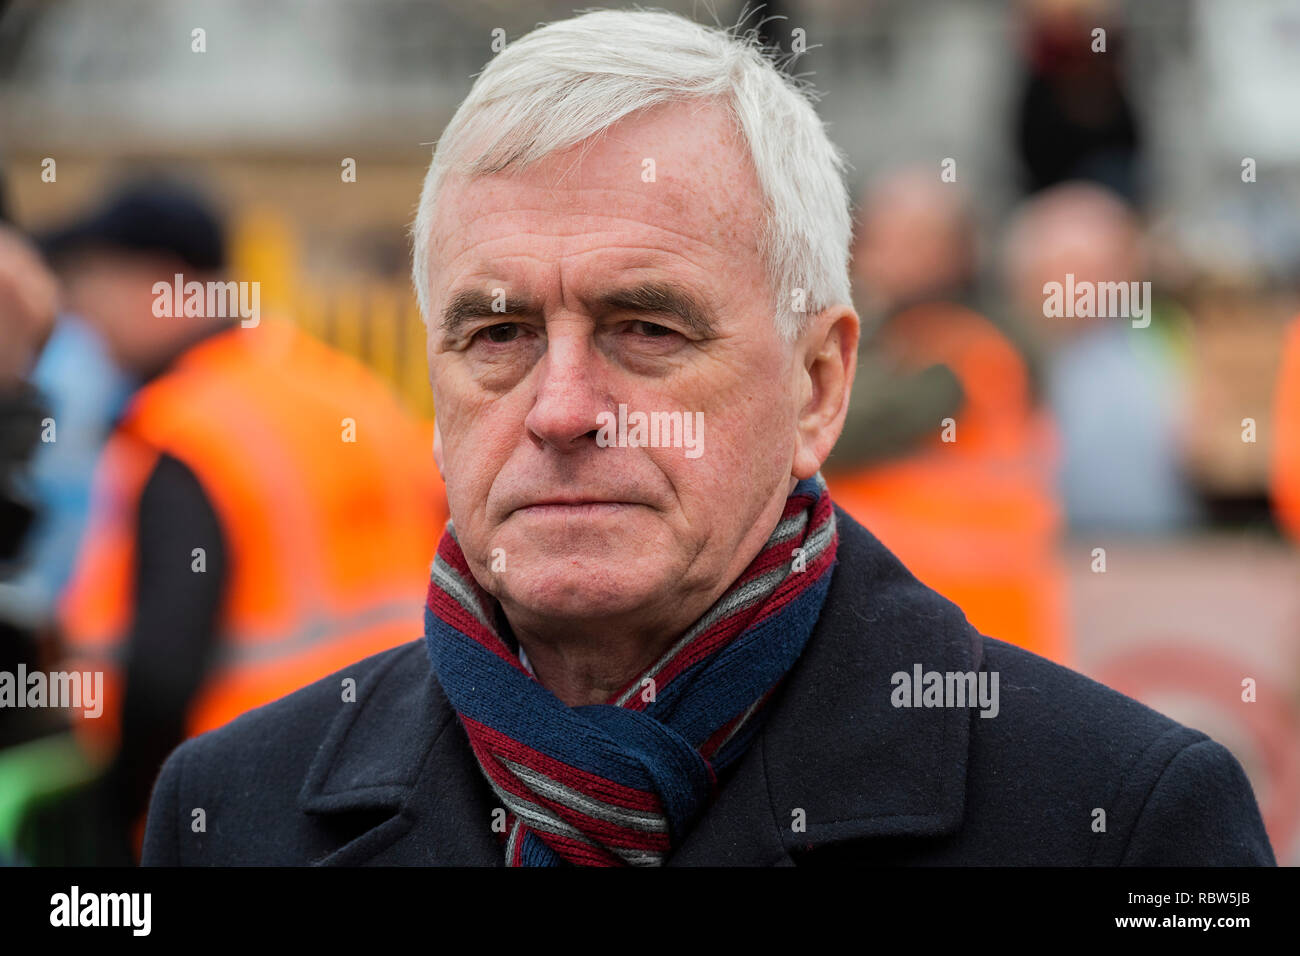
(639, 656)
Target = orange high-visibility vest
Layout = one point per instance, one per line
(976, 518)
(1285, 464)
(327, 497)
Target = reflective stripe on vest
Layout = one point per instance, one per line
(242, 650)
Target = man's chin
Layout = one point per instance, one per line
(582, 564)
(573, 594)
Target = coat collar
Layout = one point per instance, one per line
(834, 761)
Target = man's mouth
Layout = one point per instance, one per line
(574, 507)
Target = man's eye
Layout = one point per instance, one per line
(502, 333)
(651, 330)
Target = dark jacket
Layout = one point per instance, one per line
(837, 774)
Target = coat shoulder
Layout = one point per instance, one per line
(1110, 780)
(1075, 705)
(1053, 768)
(254, 767)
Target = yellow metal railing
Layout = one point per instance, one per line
(375, 320)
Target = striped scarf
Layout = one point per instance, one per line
(621, 783)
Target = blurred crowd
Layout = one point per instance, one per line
(204, 509)
(212, 514)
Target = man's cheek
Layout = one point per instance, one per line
(475, 457)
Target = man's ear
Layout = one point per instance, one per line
(829, 352)
(437, 446)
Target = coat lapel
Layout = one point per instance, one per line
(399, 765)
(834, 762)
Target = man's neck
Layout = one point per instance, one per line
(590, 670)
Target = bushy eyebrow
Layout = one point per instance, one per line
(470, 304)
(652, 298)
(661, 298)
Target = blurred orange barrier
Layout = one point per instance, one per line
(975, 518)
(376, 321)
(1285, 466)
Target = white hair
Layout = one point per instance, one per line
(569, 80)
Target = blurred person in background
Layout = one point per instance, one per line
(1114, 390)
(264, 511)
(28, 297)
(970, 509)
(82, 391)
(1074, 118)
(28, 303)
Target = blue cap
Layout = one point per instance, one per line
(153, 217)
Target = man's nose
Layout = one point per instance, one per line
(569, 394)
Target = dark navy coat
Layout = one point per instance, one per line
(837, 774)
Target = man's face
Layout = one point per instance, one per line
(113, 291)
(586, 531)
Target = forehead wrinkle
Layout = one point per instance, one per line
(656, 260)
(699, 199)
(666, 262)
(566, 225)
(692, 206)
